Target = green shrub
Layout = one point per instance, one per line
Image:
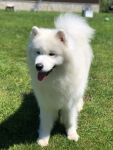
(104, 5)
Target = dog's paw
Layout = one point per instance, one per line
(80, 108)
(80, 105)
(43, 142)
(73, 136)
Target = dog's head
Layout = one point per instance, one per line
(47, 48)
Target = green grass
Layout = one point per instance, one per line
(19, 117)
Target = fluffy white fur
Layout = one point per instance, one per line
(66, 52)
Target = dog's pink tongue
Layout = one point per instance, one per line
(41, 76)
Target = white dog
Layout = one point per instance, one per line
(59, 61)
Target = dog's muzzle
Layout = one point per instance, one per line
(42, 74)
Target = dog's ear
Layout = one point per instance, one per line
(35, 30)
(61, 36)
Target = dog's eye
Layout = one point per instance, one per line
(51, 54)
(38, 52)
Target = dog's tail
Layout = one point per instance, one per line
(74, 26)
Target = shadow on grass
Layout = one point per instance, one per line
(21, 127)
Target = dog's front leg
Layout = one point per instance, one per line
(70, 119)
(47, 118)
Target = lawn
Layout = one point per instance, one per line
(19, 114)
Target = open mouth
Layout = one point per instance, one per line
(43, 75)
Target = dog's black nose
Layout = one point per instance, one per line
(39, 66)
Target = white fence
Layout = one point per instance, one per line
(47, 6)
